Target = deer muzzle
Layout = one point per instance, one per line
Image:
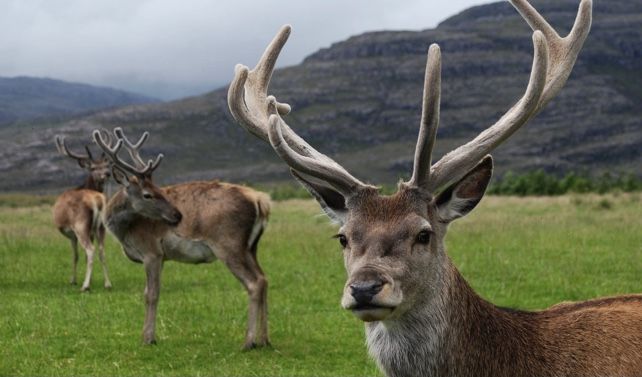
(370, 296)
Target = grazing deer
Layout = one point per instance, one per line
(422, 318)
(194, 222)
(77, 212)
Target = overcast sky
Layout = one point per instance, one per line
(175, 48)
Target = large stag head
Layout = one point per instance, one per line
(394, 245)
(98, 168)
(143, 195)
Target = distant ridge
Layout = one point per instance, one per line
(27, 98)
(359, 101)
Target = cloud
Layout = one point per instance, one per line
(170, 49)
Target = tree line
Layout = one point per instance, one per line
(539, 182)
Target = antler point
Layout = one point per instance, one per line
(239, 68)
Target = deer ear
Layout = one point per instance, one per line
(460, 198)
(331, 201)
(119, 176)
(85, 164)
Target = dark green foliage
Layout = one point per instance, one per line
(533, 183)
(284, 191)
(541, 183)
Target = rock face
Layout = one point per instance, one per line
(360, 101)
(28, 98)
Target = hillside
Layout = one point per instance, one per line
(359, 101)
(28, 98)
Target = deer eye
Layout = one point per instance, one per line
(423, 237)
(342, 240)
(147, 195)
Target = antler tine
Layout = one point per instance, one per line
(563, 52)
(107, 135)
(61, 145)
(112, 153)
(153, 164)
(247, 95)
(89, 152)
(252, 108)
(345, 183)
(429, 118)
(552, 64)
(133, 148)
(455, 164)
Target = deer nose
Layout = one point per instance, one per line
(364, 291)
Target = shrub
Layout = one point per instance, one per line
(541, 183)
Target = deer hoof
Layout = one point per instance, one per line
(249, 346)
(253, 345)
(149, 338)
(107, 285)
(85, 289)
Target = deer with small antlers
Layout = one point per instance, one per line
(421, 317)
(77, 212)
(194, 222)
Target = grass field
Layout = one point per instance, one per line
(520, 252)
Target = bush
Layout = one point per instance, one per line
(541, 183)
(537, 182)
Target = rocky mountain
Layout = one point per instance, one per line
(29, 98)
(359, 101)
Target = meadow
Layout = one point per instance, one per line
(527, 253)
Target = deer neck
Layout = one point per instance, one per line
(91, 184)
(451, 332)
(120, 215)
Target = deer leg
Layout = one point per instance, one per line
(254, 282)
(153, 267)
(262, 338)
(74, 259)
(100, 235)
(85, 242)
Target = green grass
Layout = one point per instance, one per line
(17, 200)
(521, 252)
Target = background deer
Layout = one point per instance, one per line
(194, 222)
(77, 212)
(422, 318)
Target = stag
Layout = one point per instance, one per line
(194, 222)
(77, 212)
(421, 317)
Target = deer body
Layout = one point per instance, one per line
(194, 222)
(77, 213)
(209, 220)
